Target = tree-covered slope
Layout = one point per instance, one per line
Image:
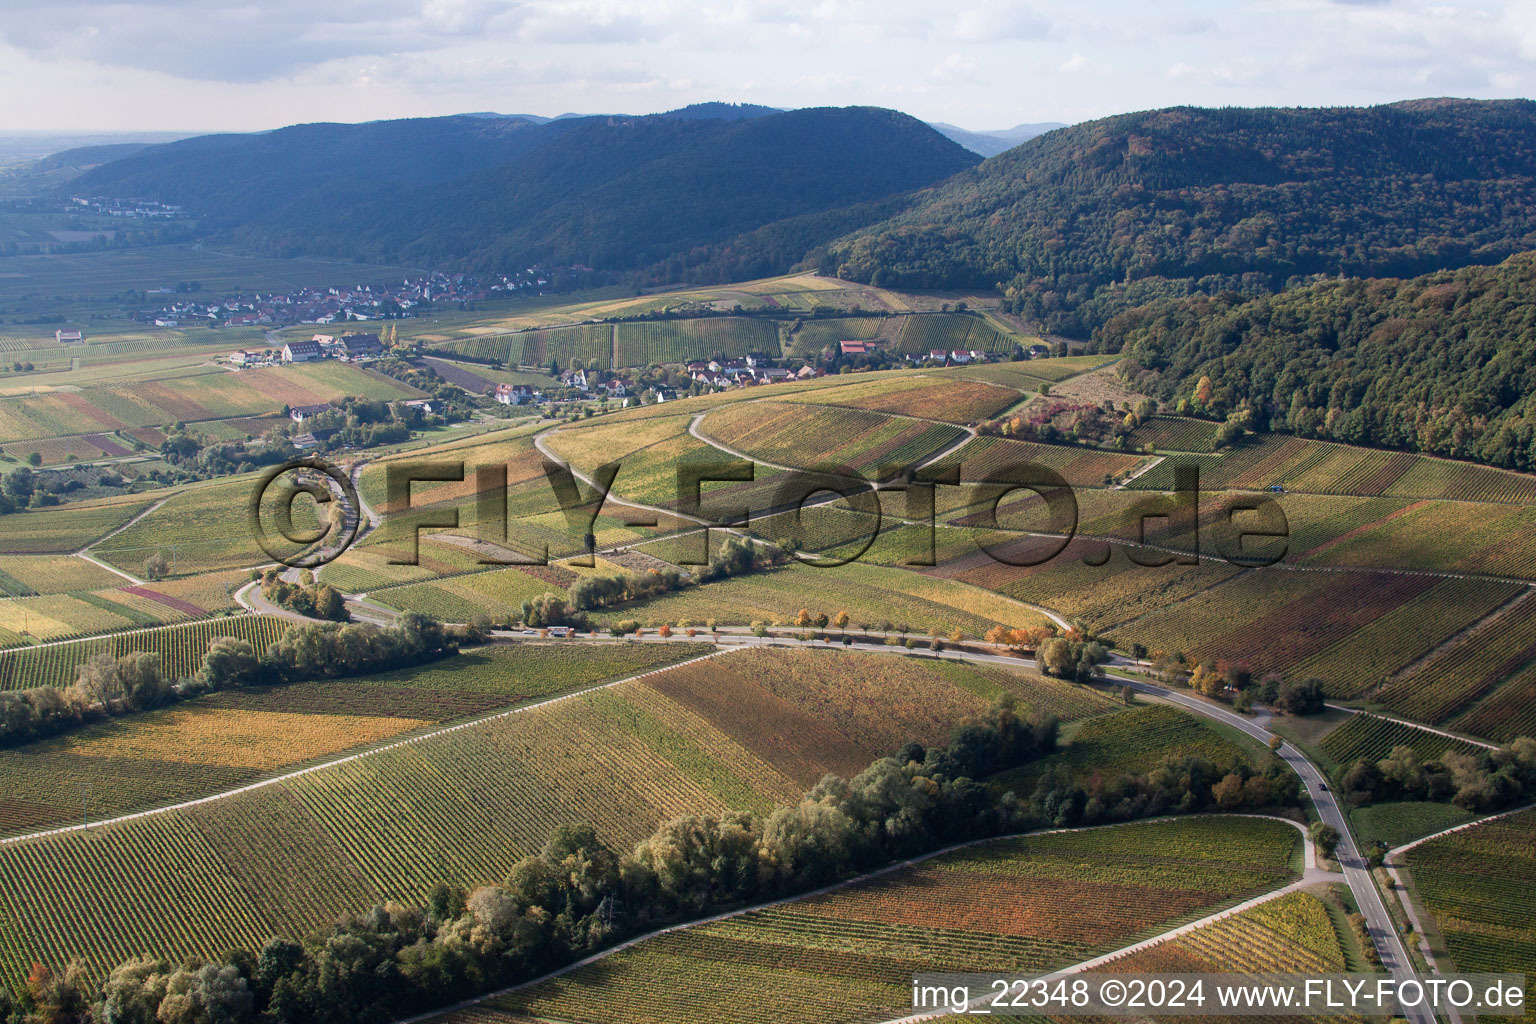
(1083, 222)
(613, 193)
(1442, 363)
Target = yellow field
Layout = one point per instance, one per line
(258, 740)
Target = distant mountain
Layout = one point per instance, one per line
(614, 193)
(991, 143)
(1085, 221)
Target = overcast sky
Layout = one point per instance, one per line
(220, 65)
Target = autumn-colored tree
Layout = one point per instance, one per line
(665, 631)
(840, 620)
(803, 617)
(1229, 792)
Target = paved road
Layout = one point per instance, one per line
(1394, 956)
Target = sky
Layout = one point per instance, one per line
(214, 65)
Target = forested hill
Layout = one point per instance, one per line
(1442, 363)
(1085, 221)
(613, 193)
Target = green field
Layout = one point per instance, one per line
(1129, 742)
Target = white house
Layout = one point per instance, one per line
(301, 351)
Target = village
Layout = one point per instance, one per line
(336, 304)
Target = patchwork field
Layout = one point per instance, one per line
(1482, 682)
(213, 394)
(232, 738)
(743, 730)
(1025, 904)
(67, 528)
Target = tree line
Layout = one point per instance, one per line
(106, 686)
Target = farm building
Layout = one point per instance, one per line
(301, 351)
(357, 346)
(64, 337)
(300, 413)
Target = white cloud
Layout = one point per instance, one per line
(956, 65)
(1076, 62)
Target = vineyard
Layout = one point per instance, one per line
(591, 343)
(1080, 467)
(814, 335)
(1171, 433)
(923, 397)
(1326, 467)
(868, 593)
(793, 434)
(237, 736)
(1348, 618)
(1101, 596)
(1293, 934)
(68, 528)
(1479, 683)
(23, 575)
(180, 648)
(1370, 738)
(748, 729)
(676, 341)
(1130, 742)
(1025, 904)
(1461, 536)
(206, 527)
(1477, 885)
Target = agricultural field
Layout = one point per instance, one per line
(1129, 741)
(1026, 904)
(1175, 434)
(591, 343)
(1479, 683)
(1098, 585)
(180, 649)
(1472, 537)
(205, 527)
(99, 274)
(789, 433)
(27, 575)
(1368, 737)
(67, 528)
(924, 397)
(1293, 934)
(213, 394)
(746, 729)
(678, 341)
(1476, 884)
(1326, 467)
(870, 594)
(988, 457)
(924, 332)
(1395, 823)
(234, 737)
(1351, 629)
(499, 593)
